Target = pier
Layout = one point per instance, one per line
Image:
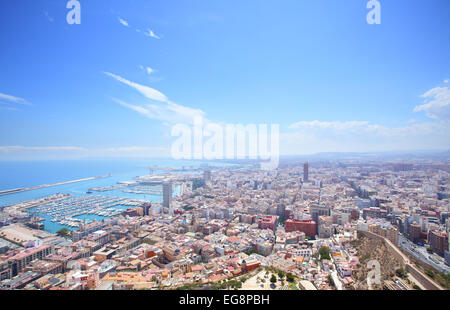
(68, 211)
(19, 190)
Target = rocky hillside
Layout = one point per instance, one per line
(371, 249)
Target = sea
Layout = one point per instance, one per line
(19, 174)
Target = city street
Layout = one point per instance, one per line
(421, 253)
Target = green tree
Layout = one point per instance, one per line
(251, 251)
(273, 279)
(324, 253)
(290, 277)
(401, 273)
(331, 281)
(63, 232)
(430, 273)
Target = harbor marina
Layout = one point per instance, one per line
(71, 212)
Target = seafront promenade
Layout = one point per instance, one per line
(24, 189)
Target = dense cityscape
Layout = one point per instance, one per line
(207, 153)
(303, 226)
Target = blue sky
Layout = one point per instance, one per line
(115, 84)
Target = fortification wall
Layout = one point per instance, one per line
(423, 279)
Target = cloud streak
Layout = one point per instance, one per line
(363, 128)
(163, 110)
(147, 91)
(361, 136)
(308, 137)
(10, 103)
(123, 22)
(148, 70)
(170, 113)
(37, 152)
(49, 18)
(150, 33)
(13, 99)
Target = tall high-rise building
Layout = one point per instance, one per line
(207, 176)
(306, 172)
(167, 194)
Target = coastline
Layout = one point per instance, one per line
(25, 189)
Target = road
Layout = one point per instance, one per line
(421, 253)
(336, 280)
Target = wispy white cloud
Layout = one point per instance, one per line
(437, 103)
(336, 126)
(49, 18)
(360, 136)
(308, 137)
(8, 108)
(13, 99)
(363, 128)
(15, 148)
(147, 69)
(147, 91)
(10, 103)
(65, 152)
(123, 22)
(169, 112)
(151, 34)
